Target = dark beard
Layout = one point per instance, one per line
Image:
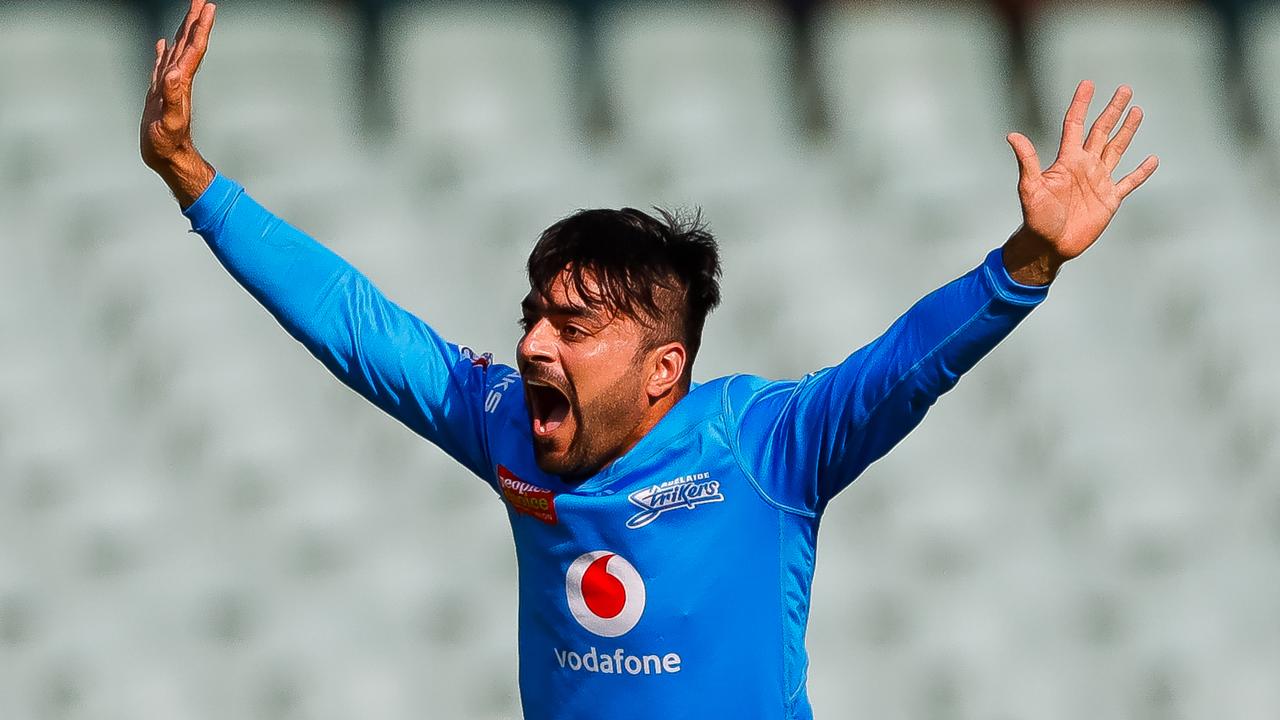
(598, 434)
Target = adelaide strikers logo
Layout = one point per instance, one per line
(688, 491)
(606, 594)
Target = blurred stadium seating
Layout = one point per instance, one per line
(197, 522)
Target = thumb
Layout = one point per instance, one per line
(1028, 161)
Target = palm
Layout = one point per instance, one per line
(1071, 202)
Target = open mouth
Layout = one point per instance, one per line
(548, 407)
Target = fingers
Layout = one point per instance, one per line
(179, 37)
(155, 69)
(1073, 123)
(177, 62)
(1115, 149)
(1107, 119)
(198, 43)
(1028, 160)
(168, 56)
(184, 31)
(1133, 180)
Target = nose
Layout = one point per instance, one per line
(537, 345)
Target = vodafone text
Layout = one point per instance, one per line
(618, 663)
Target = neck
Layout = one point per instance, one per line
(657, 410)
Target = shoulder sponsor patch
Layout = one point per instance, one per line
(527, 498)
(484, 360)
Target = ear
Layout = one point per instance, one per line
(666, 366)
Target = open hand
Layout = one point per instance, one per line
(1067, 206)
(166, 141)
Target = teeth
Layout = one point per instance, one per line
(542, 405)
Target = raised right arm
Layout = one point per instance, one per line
(392, 358)
(375, 347)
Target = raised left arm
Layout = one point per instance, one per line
(803, 441)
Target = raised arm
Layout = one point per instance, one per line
(436, 388)
(804, 441)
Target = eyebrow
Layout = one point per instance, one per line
(531, 305)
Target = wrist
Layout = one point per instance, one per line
(1030, 259)
(187, 174)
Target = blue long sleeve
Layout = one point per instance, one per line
(374, 346)
(805, 440)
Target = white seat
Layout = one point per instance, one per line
(482, 95)
(917, 96)
(279, 86)
(1244, 685)
(692, 84)
(86, 98)
(1262, 66)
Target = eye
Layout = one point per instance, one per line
(573, 332)
(524, 323)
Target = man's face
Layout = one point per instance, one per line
(584, 379)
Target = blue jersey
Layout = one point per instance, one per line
(675, 582)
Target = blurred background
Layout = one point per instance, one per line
(196, 521)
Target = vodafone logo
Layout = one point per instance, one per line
(606, 594)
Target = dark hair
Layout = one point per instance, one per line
(630, 254)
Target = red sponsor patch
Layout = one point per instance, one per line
(526, 498)
(481, 360)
